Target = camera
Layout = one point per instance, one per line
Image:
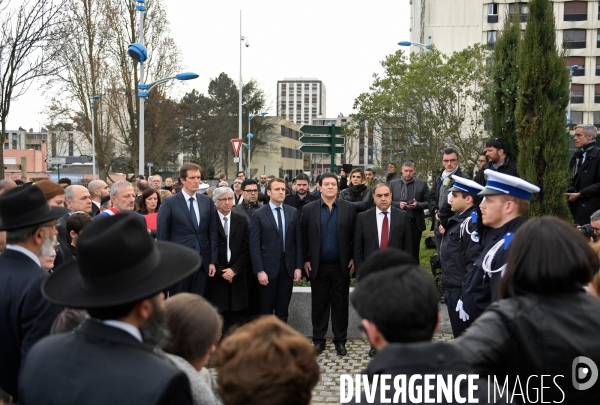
(587, 230)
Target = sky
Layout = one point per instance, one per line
(338, 42)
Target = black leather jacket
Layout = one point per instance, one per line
(533, 335)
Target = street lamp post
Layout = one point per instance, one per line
(138, 52)
(269, 139)
(242, 38)
(92, 100)
(422, 46)
(572, 70)
(296, 160)
(250, 136)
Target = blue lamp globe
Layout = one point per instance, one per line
(187, 76)
(137, 52)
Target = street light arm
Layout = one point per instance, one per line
(159, 82)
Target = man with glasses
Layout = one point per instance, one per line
(26, 317)
(438, 204)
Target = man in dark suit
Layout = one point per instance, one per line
(276, 251)
(327, 239)
(25, 315)
(118, 278)
(302, 196)
(381, 227)
(584, 193)
(412, 195)
(227, 289)
(188, 218)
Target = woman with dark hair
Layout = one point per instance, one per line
(358, 193)
(150, 202)
(545, 321)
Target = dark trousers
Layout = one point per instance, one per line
(231, 318)
(252, 285)
(416, 238)
(276, 295)
(330, 290)
(458, 326)
(195, 284)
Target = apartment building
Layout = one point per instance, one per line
(301, 100)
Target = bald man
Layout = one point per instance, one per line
(6, 185)
(97, 189)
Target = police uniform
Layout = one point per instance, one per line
(482, 285)
(459, 248)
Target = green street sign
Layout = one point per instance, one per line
(321, 129)
(321, 140)
(321, 149)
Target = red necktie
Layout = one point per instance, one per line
(385, 227)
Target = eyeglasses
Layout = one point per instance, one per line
(225, 199)
(481, 161)
(450, 161)
(54, 225)
(237, 182)
(251, 191)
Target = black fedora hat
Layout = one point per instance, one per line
(25, 206)
(118, 263)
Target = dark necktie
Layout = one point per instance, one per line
(279, 227)
(193, 212)
(385, 229)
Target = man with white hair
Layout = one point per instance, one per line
(156, 182)
(97, 190)
(122, 197)
(584, 191)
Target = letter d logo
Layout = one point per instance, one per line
(581, 374)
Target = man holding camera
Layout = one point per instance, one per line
(584, 191)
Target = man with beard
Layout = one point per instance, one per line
(25, 315)
(122, 198)
(412, 195)
(302, 197)
(496, 150)
(119, 278)
(263, 183)
(97, 189)
(506, 200)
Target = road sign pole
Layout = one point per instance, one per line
(58, 172)
(332, 133)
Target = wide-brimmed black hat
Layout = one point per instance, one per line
(118, 263)
(26, 206)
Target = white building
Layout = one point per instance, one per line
(454, 25)
(59, 143)
(301, 100)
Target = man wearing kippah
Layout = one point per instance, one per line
(506, 200)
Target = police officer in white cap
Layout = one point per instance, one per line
(506, 200)
(460, 245)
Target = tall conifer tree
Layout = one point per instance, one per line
(505, 77)
(540, 113)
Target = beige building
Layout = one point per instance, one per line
(301, 100)
(454, 25)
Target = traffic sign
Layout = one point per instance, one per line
(237, 144)
(236, 160)
(56, 161)
(150, 164)
(321, 149)
(321, 129)
(321, 140)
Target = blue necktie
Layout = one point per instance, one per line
(280, 227)
(193, 212)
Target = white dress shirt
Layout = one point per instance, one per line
(379, 216)
(226, 228)
(187, 202)
(26, 252)
(274, 211)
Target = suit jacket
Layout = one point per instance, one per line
(366, 237)
(100, 364)
(95, 209)
(587, 182)
(175, 224)
(421, 195)
(25, 315)
(311, 234)
(225, 295)
(265, 247)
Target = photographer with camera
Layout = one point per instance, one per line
(583, 194)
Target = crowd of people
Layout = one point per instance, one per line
(121, 293)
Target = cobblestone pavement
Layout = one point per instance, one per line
(332, 366)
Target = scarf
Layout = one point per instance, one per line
(578, 155)
(356, 192)
(446, 174)
(407, 193)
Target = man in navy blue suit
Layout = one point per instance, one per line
(276, 251)
(188, 218)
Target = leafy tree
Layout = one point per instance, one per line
(432, 102)
(540, 113)
(505, 77)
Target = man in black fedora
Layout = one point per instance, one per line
(25, 315)
(119, 277)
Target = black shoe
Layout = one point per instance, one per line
(319, 347)
(372, 352)
(340, 348)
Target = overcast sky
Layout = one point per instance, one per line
(338, 42)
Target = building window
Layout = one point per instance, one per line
(519, 8)
(491, 38)
(580, 62)
(597, 119)
(597, 94)
(575, 11)
(576, 118)
(574, 39)
(577, 93)
(492, 13)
